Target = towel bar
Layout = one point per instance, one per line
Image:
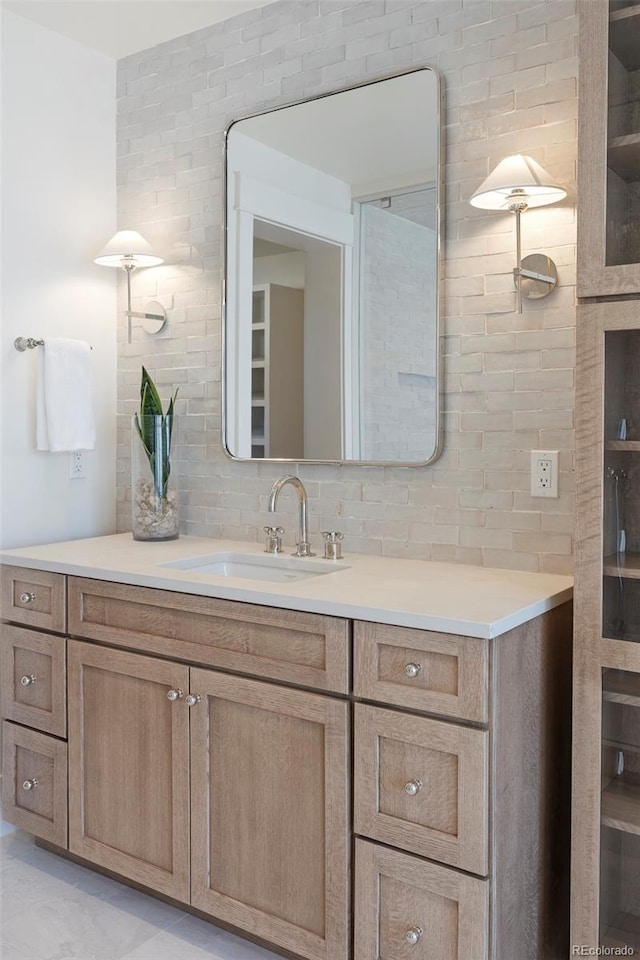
(29, 343)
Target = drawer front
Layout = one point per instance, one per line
(33, 597)
(422, 785)
(33, 679)
(303, 648)
(432, 672)
(408, 909)
(34, 783)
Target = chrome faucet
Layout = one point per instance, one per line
(303, 547)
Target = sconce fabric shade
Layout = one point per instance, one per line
(128, 246)
(128, 249)
(517, 180)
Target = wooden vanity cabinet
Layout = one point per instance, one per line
(227, 793)
(484, 805)
(210, 755)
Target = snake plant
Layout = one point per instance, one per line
(155, 429)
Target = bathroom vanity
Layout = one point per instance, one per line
(370, 761)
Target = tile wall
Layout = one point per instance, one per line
(509, 69)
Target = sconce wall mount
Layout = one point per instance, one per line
(517, 183)
(129, 250)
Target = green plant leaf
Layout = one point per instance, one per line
(150, 402)
(157, 446)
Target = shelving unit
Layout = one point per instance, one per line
(259, 420)
(606, 710)
(609, 137)
(277, 360)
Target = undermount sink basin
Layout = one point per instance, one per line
(250, 566)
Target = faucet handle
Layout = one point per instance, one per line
(332, 544)
(274, 539)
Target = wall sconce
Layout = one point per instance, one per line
(129, 250)
(515, 184)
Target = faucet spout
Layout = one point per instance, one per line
(303, 547)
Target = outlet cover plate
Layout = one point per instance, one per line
(77, 465)
(544, 473)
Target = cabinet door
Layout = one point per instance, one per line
(128, 766)
(410, 909)
(269, 808)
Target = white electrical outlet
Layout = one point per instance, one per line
(77, 465)
(544, 473)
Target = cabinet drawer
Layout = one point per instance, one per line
(408, 908)
(34, 783)
(32, 679)
(431, 672)
(422, 785)
(34, 597)
(303, 648)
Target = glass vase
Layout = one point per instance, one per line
(154, 504)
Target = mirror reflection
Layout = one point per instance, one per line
(331, 269)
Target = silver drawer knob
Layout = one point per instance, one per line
(29, 784)
(27, 597)
(192, 699)
(26, 680)
(174, 695)
(412, 787)
(412, 670)
(412, 935)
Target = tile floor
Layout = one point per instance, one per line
(51, 909)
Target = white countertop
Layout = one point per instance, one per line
(446, 597)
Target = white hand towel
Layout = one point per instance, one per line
(65, 396)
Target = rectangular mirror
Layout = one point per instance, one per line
(332, 270)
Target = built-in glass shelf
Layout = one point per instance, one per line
(623, 446)
(621, 807)
(625, 565)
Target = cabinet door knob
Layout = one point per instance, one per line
(413, 669)
(412, 935)
(192, 698)
(174, 695)
(27, 597)
(29, 784)
(412, 787)
(27, 679)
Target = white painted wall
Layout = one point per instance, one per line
(58, 209)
